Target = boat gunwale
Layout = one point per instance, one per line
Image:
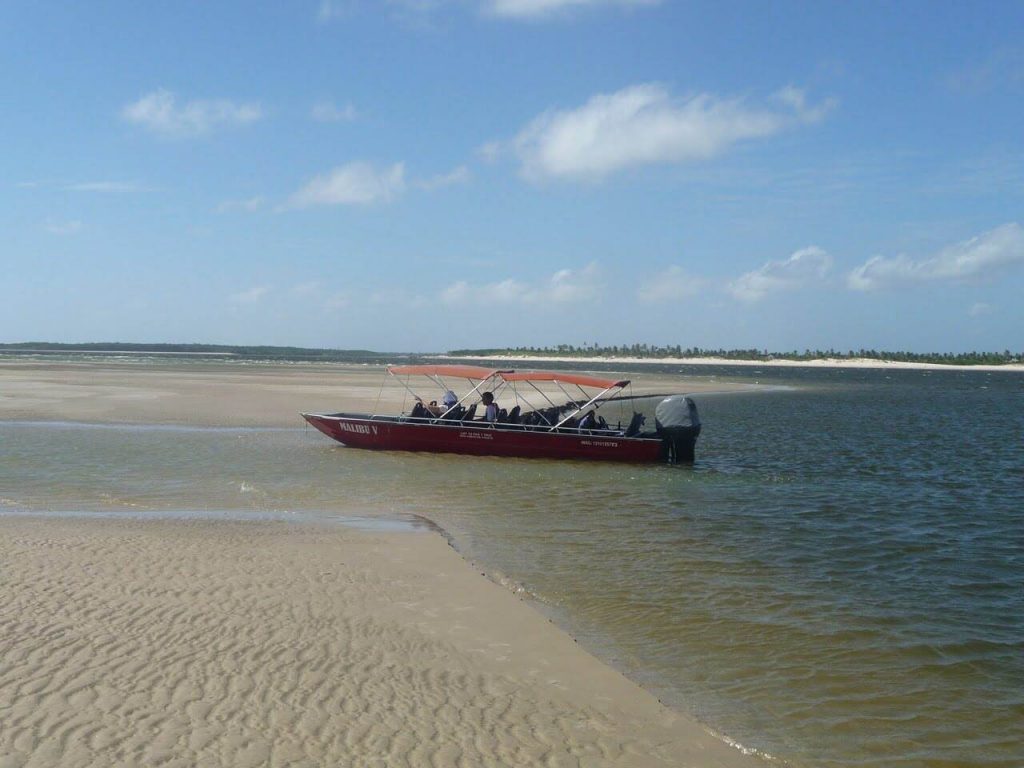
(437, 422)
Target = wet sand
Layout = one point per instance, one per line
(128, 641)
(181, 643)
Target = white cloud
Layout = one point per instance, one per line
(534, 9)
(460, 175)
(979, 309)
(569, 285)
(796, 99)
(417, 11)
(336, 301)
(313, 293)
(329, 10)
(160, 112)
(491, 151)
(83, 186)
(328, 112)
(644, 125)
(1002, 70)
(251, 296)
(669, 285)
(102, 186)
(307, 289)
(566, 286)
(805, 266)
(248, 205)
(398, 297)
(353, 184)
(978, 257)
(504, 292)
(72, 227)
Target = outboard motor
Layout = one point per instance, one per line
(678, 426)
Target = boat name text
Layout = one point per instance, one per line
(362, 429)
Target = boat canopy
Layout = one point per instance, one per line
(460, 371)
(478, 373)
(563, 377)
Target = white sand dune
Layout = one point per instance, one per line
(826, 362)
(201, 643)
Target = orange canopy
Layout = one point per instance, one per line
(459, 371)
(563, 377)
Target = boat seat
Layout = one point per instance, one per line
(470, 413)
(634, 425)
(513, 415)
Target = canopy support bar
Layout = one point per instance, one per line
(583, 408)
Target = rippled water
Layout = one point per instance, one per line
(837, 581)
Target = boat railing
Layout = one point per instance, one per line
(480, 424)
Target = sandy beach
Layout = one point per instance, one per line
(130, 641)
(779, 363)
(243, 644)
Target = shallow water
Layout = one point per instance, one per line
(837, 581)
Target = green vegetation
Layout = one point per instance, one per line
(296, 354)
(655, 352)
(643, 351)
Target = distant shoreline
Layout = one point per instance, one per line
(828, 362)
(299, 354)
(19, 350)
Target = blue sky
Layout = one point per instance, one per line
(420, 175)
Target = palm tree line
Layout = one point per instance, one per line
(656, 351)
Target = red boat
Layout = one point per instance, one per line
(573, 430)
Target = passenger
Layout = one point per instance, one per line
(427, 410)
(589, 421)
(449, 399)
(491, 407)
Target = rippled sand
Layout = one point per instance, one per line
(183, 643)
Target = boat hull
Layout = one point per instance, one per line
(481, 439)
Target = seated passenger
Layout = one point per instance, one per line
(427, 410)
(490, 407)
(589, 421)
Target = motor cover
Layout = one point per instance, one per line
(676, 412)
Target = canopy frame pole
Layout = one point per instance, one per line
(542, 394)
(407, 388)
(563, 390)
(584, 407)
(471, 392)
(380, 392)
(572, 400)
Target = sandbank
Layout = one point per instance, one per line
(132, 642)
(221, 394)
(192, 642)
